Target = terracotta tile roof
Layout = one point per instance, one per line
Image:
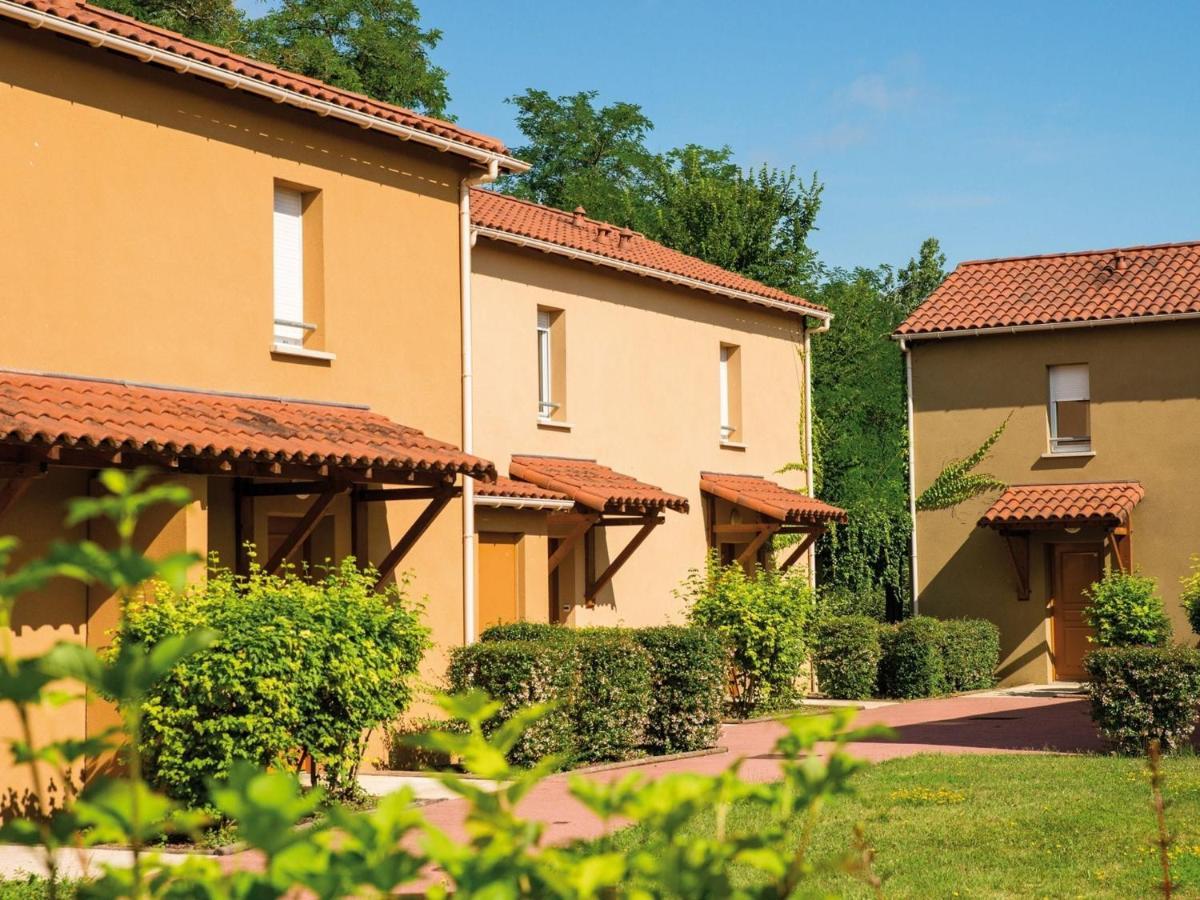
(770, 499)
(595, 486)
(1092, 286)
(94, 17)
(1102, 503)
(575, 232)
(85, 413)
(520, 490)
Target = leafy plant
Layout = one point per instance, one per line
(846, 657)
(834, 600)
(1144, 694)
(913, 665)
(958, 483)
(1126, 610)
(970, 653)
(764, 621)
(1189, 596)
(687, 687)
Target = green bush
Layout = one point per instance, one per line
(970, 654)
(846, 657)
(1190, 595)
(1141, 694)
(518, 674)
(610, 709)
(839, 600)
(912, 664)
(301, 672)
(527, 631)
(763, 619)
(687, 687)
(1126, 611)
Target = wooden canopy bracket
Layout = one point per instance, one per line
(810, 538)
(1018, 549)
(12, 491)
(307, 524)
(1121, 539)
(764, 535)
(595, 586)
(410, 537)
(568, 543)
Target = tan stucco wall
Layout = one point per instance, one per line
(1145, 390)
(137, 226)
(642, 397)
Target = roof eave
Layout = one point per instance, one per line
(1042, 326)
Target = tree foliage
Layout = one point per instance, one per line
(214, 21)
(959, 481)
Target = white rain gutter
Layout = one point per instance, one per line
(523, 503)
(808, 436)
(912, 468)
(1048, 326)
(600, 259)
(465, 240)
(184, 66)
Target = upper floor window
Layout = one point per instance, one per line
(298, 268)
(551, 360)
(730, 382)
(1070, 409)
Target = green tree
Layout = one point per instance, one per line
(214, 21)
(374, 47)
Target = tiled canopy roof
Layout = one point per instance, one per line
(151, 36)
(519, 490)
(520, 219)
(770, 499)
(86, 414)
(592, 485)
(1098, 503)
(1092, 286)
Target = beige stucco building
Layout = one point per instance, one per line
(1091, 357)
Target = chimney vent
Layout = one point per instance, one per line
(626, 235)
(580, 213)
(1121, 262)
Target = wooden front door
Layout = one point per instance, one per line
(499, 578)
(1076, 568)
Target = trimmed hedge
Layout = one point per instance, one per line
(847, 657)
(912, 664)
(1144, 693)
(610, 708)
(970, 654)
(687, 687)
(527, 631)
(520, 674)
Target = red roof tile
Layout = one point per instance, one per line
(520, 490)
(157, 38)
(84, 413)
(1102, 503)
(1091, 286)
(522, 219)
(595, 486)
(770, 499)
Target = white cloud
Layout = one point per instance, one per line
(880, 93)
(841, 136)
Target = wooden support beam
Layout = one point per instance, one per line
(566, 545)
(359, 529)
(810, 538)
(1018, 549)
(742, 528)
(410, 537)
(307, 524)
(595, 586)
(1121, 538)
(12, 491)
(610, 522)
(289, 488)
(752, 548)
(422, 493)
(243, 525)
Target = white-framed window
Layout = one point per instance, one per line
(545, 352)
(1070, 409)
(730, 387)
(727, 427)
(290, 325)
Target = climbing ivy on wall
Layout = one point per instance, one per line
(958, 482)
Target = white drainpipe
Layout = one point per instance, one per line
(912, 467)
(808, 438)
(465, 240)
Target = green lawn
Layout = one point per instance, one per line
(1010, 826)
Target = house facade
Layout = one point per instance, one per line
(639, 404)
(1091, 359)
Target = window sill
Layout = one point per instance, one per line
(1069, 454)
(733, 445)
(278, 349)
(554, 425)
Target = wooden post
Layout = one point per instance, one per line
(307, 524)
(243, 524)
(12, 491)
(807, 541)
(764, 534)
(567, 544)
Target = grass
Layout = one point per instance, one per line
(1007, 826)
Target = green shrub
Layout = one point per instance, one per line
(300, 673)
(519, 674)
(687, 687)
(840, 600)
(610, 709)
(527, 631)
(1190, 595)
(763, 619)
(846, 657)
(970, 654)
(912, 664)
(1141, 694)
(1126, 611)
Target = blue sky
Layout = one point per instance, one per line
(1001, 129)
